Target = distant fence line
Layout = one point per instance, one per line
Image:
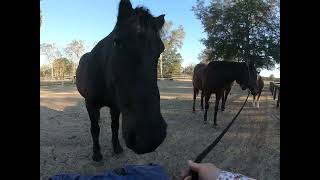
(68, 80)
(72, 80)
(44, 81)
(275, 88)
(175, 77)
(271, 79)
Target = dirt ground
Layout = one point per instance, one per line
(250, 147)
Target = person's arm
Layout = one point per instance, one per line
(208, 171)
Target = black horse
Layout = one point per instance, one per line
(197, 82)
(121, 72)
(219, 74)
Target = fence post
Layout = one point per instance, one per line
(278, 101)
(74, 79)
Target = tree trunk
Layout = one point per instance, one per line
(52, 72)
(73, 68)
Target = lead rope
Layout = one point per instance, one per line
(205, 152)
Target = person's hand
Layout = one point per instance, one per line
(206, 171)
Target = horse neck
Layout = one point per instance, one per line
(103, 49)
(240, 72)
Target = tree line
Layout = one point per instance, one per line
(65, 62)
(61, 64)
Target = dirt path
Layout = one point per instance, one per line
(251, 147)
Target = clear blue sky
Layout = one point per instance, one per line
(92, 20)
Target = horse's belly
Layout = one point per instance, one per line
(91, 85)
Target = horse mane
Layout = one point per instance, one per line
(142, 9)
(145, 16)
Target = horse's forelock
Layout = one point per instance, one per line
(141, 12)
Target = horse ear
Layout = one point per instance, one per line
(125, 9)
(159, 21)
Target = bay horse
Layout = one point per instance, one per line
(260, 84)
(218, 74)
(197, 82)
(120, 72)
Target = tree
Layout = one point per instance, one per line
(62, 67)
(40, 18)
(170, 60)
(189, 69)
(244, 30)
(271, 77)
(45, 71)
(74, 51)
(204, 56)
(51, 52)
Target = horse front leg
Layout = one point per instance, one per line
(224, 100)
(202, 95)
(115, 113)
(195, 91)
(216, 107)
(258, 99)
(253, 101)
(206, 105)
(94, 115)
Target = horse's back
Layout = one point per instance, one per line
(217, 75)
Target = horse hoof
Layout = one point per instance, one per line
(118, 150)
(205, 122)
(215, 126)
(222, 109)
(97, 157)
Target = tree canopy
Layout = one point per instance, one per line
(242, 30)
(172, 40)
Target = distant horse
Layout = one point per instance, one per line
(197, 82)
(121, 72)
(260, 84)
(219, 74)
